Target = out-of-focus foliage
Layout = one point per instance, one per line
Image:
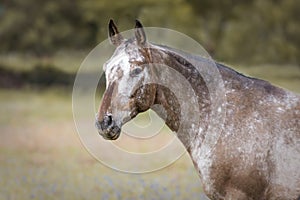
(235, 30)
(42, 26)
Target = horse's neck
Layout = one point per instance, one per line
(169, 108)
(189, 128)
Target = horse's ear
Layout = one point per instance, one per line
(115, 37)
(139, 33)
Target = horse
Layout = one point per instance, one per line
(257, 153)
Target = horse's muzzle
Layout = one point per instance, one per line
(108, 128)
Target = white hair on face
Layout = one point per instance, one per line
(118, 69)
(120, 61)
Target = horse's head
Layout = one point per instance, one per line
(126, 72)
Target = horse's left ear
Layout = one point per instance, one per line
(115, 37)
(139, 33)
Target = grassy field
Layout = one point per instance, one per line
(42, 157)
(66, 61)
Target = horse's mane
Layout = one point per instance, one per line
(195, 58)
(225, 71)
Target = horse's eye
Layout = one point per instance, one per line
(136, 71)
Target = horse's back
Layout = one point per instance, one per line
(285, 178)
(262, 138)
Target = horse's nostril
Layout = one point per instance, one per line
(107, 121)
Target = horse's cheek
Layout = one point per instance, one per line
(145, 98)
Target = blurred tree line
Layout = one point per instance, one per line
(253, 31)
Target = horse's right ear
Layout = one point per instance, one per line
(115, 37)
(140, 33)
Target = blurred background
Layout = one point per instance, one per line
(42, 44)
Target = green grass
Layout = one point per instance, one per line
(42, 158)
(66, 61)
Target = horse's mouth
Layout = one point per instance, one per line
(110, 132)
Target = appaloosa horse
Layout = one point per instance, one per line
(257, 154)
